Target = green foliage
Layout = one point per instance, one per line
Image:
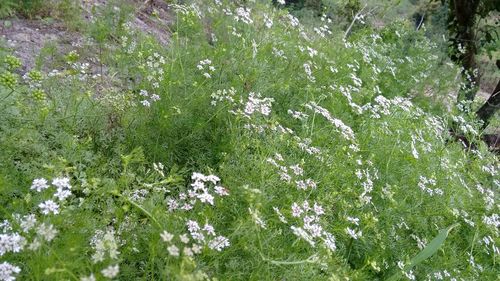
(332, 156)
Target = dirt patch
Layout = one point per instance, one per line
(27, 37)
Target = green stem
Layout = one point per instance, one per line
(139, 207)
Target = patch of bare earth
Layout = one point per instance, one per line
(27, 37)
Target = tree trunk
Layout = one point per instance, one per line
(490, 106)
(463, 43)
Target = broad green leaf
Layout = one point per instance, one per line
(427, 252)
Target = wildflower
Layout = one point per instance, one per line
(329, 240)
(221, 190)
(184, 238)
(188, 252)
(146, 103)
(166, 237)
(282, 2)
(104, 242)
(11, 243)
(61, 183)
(255, 103)
(296, 210)
(268, 21)
(88, 278)
(173, 250)
(297, 170)
(280, 215)
(39, 184)
(209, 229)
(355, 235)
(111, 271)
(48, 207)
(46, 231)
(7, 271)
(155, 97)
(318, 209)
(218, 243)
(35, 245)
(62, 194)
(300, 232)
(28, 222)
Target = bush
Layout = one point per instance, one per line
(253, 147)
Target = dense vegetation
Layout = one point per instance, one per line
(250, 147)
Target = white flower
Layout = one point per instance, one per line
(355, 235)
(218, 243)
(296, 210)
(209, 229)
(221, 190)
(35, 245)
(62, 194)
(88, 278)
(173, 251)
(11, 243)
(193, 226)
(155, 97)
(28, 222)
(282, 2)
(184, 238)
(104, 243)
(206, 197)
(39, 184)
(188, 252)
(196, 248)
(111, 271)
(166, 237)
(61, 183)
(47, 231)
(146, 103)
(48, 207)
(318, 209)
(7, 271)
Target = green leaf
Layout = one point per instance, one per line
(427, 252)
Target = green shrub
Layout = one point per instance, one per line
(252, 147)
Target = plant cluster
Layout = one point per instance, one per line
(252, 147)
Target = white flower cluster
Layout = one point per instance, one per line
(310, 229)
(292, 172)
(279, 53)
(200, 237)
(104, 244)
(206, 65)
(308, 70)
(243, 14)
(298, 115)
(424, 184)
(154, 68)
(111, 271)
(148, 98)
(258, 104)
(202, 189)
(11, 242)
(323, 30)
(294, 22)
(63, 191)
(8, 271)
(345, 130)
(268, 21)
(223, 95)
